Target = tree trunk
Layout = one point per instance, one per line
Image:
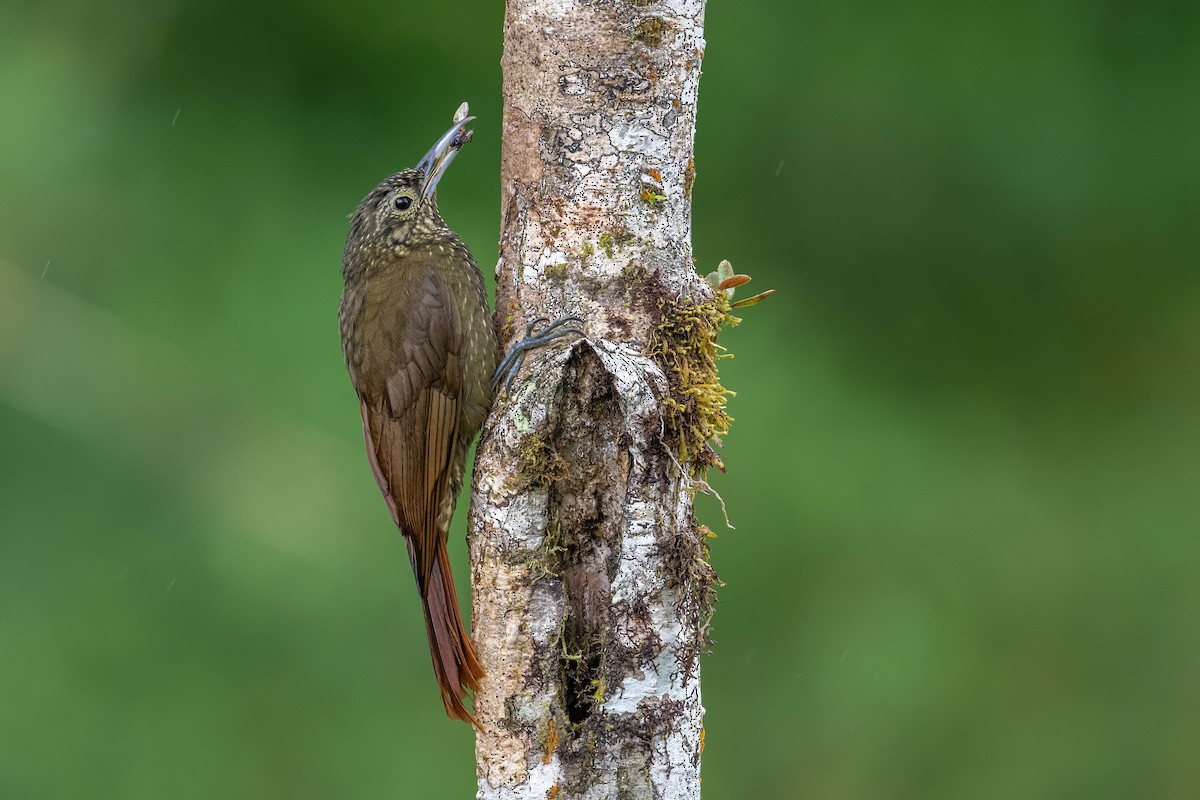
(590, 581)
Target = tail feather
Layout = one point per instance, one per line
(454, 662)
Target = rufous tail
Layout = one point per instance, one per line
(454, 662)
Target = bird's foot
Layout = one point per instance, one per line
(533, 338)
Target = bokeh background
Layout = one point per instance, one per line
(964, 470)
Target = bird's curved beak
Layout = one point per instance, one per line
(435, 162)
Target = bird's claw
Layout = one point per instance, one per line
(512, 361)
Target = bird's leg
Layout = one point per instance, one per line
(516, 355)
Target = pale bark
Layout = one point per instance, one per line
(589, 583)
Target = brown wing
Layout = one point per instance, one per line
(410, 401)
(405, 360)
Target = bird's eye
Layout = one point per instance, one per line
(402, 202)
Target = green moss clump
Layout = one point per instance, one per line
(633, 277)
(531, 455)
(553, 548)
(538, 464)
(650, 31)
(685, 345)
(586, 250)
(606, 243)
(703, 534)
(555, 272)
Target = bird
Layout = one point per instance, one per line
(423, 358)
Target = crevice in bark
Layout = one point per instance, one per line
(585, 504)
(580, 664)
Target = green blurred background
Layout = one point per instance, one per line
(964, 471)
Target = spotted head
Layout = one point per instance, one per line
(401, 212)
